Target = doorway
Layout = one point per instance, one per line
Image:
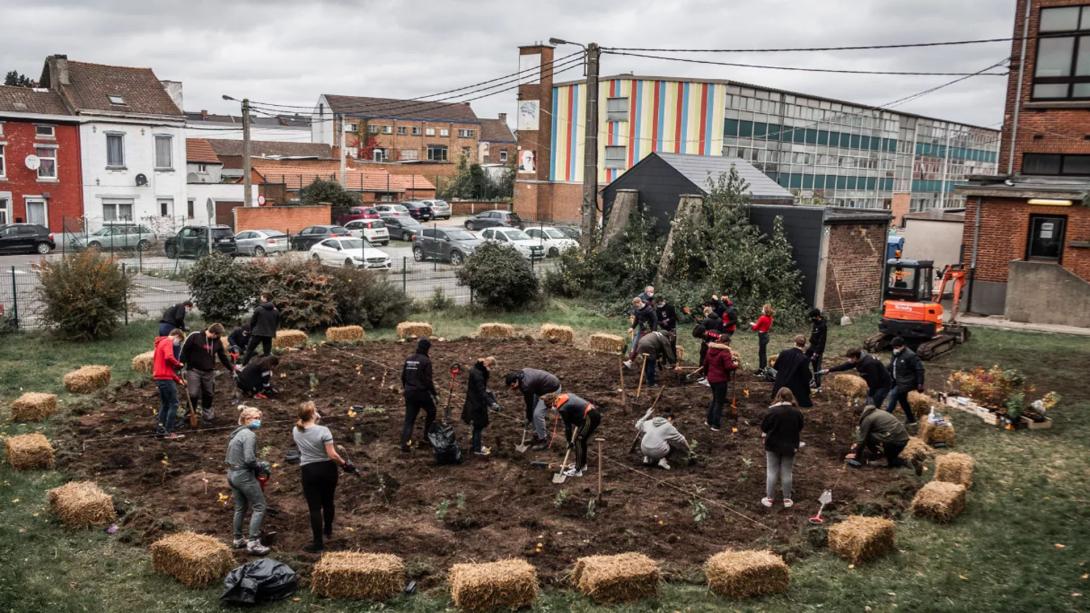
(1046, 237)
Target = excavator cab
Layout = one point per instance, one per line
(911, 310)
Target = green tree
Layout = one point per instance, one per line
(18, 79)
(222, 287)
(83, 296)
(329, 191)
(499, 276)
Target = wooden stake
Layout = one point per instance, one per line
(620, 373)
(643, 369)
(599, 440)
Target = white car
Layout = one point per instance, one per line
(387, 210)
(440, 209)
(349, 253)
(552, 240)
(528, 247)
(371, 229)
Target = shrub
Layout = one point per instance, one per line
(303, 291)
(222, 288)
(499, 277)
(320, 191)
(82, 295)
(367, 299)
(617, 272)
(438, 301)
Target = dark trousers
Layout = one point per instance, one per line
(589, 426)
(319, 486)
(762, 350)
(201, 386)
(899, 395)
(251, 348)
(876, 396)
(719, 400)
(649, 370)
(815, 361)
(891, 451)
(475, 441)
(165, 328)
(168, 405)
(413, 403)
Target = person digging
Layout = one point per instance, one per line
(199, 353)
(661, 441)
(255, 380)
(656, 345)
(880, 434)
(533, 384)
(165, 373)
(263, 325)
(580, 414)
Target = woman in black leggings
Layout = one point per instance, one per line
(318, 459)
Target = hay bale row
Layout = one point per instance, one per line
(352, 574)
(33, 406)
(195, 560)
(606, 343)
(413, 329)
(920, 403)
(557, 334)
(506, 584)
(918, 450)
(87, 379)
(495, 330)
(932, 434)
(746, 574)
(287, 339)
(29, 451)
(858, 539)
(617, 578)
(955, 468)
(82, 504)
(847, 385)
(344, 334)
(939, 500)
(144, 362)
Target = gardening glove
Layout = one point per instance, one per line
(919, 388)
(350, 468)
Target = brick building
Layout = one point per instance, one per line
(497, 141)
(40, 176)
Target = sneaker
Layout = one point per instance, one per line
(572, 472)
(173, 436)
(647, 461)
(254, 547)
(766, 503)
(788, 503)
(314, 548)
(238, 544)
(663, 464)
(261, 396)
(714, 428)
(484, 451)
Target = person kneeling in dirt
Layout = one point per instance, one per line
(584, 416)
(880, 434)
(657, 346)
(533, 384)
(238, 340)
(661, 440)
(420, 393)
(478, 401)
(256, 378)
(871, 370)
(199, 353)
(165, 373)
(318, 461)
(242, 467)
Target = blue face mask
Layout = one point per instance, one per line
(255, 424)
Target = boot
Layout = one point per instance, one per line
(255, 548)
(238, 544)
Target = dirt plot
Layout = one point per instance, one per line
(485, 509)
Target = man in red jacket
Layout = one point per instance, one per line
(165, 372)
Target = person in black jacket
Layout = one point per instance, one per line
(238, 341)
(906, 370)
(819, 332)
(643, 321)
(478, 401)
(263, 325)
(780, 429)
(709, 330)
(578, 413)
(665, 314)
(199, 353)
(533, 384)
(174, 317)
(793, 372)
(871, 370)
(419, 390)
(256, 378)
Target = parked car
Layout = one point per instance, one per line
(493, 219)
(518, 239)
(350, 252)
(116, 236)
(391, 209)
(418, 210)
(311, 235)
(192, 241)
(552, 240)
(261, 242)
(402, 228)
(26, 238)
(374, 230)
(571, 232)
(448, 244)
(440, 209)
(358, 212)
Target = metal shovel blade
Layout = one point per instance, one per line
(559, 477)
(522, 447)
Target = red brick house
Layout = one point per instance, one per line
(498, 144)
(40, 175)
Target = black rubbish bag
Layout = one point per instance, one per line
(264, 580)
(445, 444)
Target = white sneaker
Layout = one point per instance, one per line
(766, 502)
(238, 544)
(664, 464)
(572, 472)
(788, 503)
(254, 547)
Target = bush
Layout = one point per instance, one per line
(303, 291)
(617, 272)
(222, 288)
(367, 299)
(320, 191)
(499, 277)
(82, 295)
(438, 301)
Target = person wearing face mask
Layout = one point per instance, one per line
(318, 461)
(242, 467)
(906, 370)
(165, 373)
(199, 352)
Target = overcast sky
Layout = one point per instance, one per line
(290, 52)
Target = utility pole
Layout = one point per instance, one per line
(247, 180)
(344, 161)
(590, 149)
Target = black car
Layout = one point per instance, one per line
(418, 210)
(312, 235)
(192, 241)
(493, 219)
(402, 228)
(26, 238)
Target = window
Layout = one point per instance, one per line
(3, 168)
(117, 210)
(410, 154)
(402, 130)
(615, 156)
(387, 129)
(444, 132)
(117, 99)
(1046, 237)
(464, 133)
(36, 212)
(416, 131)
(115, 150)
(503, 155)
(351, 127)
(437, 153)
(5, 214)
(378, 155)
(429, 131)
(45, 131)
(616, 109)
(373, 129)
(47, 162)
(202, 167)
(163, 153)
(1062, 68)
(166, 207)
(189, 209)
(1055, 164)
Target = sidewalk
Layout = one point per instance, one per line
(1005, 324)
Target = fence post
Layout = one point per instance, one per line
(404, 279)
(124, 272)
(14, 300)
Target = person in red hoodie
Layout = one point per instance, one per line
(762, 326)
(720, 364)
(165, 372)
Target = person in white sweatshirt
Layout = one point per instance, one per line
(660, 440)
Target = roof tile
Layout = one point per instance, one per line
(28, 100)
(372, 108)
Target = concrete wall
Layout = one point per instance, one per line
(939, 241)
(1044, 293)
(290, 219)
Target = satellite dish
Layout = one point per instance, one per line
(141, 179)
(32, 162)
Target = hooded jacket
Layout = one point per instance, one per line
(782, 424)
(163, 363)
(265, 320)
(175, 316)
(242, 449)
(475, 409)
(416, 374)
(819, 332)
(667, 317)
(880, 426)
(906, 369)
(659, 437)
(873, 372)
(645, 318)
(658, 345)
(200, 352)
(719, 363)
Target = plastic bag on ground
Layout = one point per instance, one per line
(264, 580)
(445, 444)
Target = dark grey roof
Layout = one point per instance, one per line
(952, 215)
(848, 215)
(391, 108)
(1020, 186)
(700, 168)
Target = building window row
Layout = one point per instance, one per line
(416, 131)
(809, 136)
(1055, 164)
(1062, 67)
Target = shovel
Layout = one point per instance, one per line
(343, 454)
(825, 498)
(639, 435)
(455, 370)
(189, 404)
(559, 476)
(522, 447)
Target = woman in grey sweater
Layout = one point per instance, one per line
(242, 469)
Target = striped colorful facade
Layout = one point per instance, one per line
(662, 115)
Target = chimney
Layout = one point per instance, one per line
(503, 117)
(58, 70)
(204, 113)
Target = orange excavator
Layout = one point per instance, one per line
(910, 309)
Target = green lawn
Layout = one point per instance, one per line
(1022, 544)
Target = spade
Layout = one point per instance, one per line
(825, 498)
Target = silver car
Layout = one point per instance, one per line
(440, 209)
(117, 236)
(261, 242)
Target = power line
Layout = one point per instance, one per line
(945, 43)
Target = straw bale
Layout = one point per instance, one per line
(955, 468)
(82, 504)
(144, 362)
(29, 451)
(745, 574)
(606, 343)
(495, 330)
(344, 334)
(33, 406)
(558, 334)
(195, 560)
(939, 500)
(617, 578)
(506, 584)
(847, 384)
(920, 403)
(916, 449)
(286, 339)
(358, 575)
(931, 434)
(87, 379)
(858, 539)
(412, 329)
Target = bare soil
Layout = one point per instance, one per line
(484, 509)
